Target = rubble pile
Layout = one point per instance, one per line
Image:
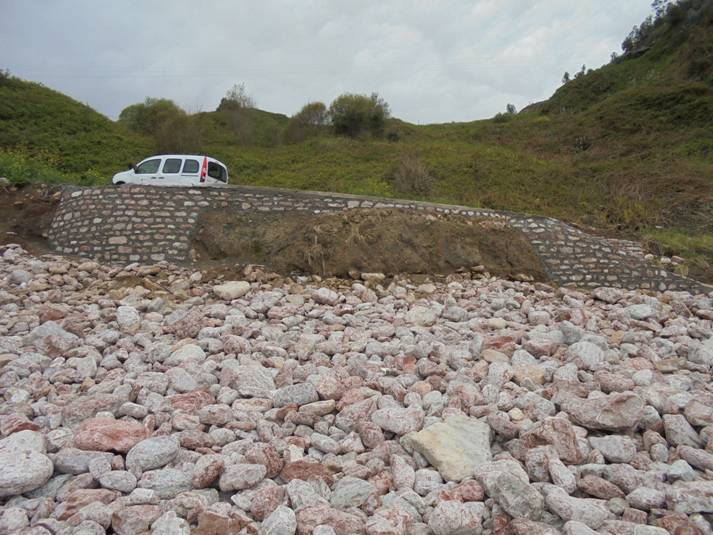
(148, 399)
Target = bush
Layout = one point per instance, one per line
(308, 122)
(355, 115)
(20, 167)
(409, 176)
(148, 117)
(180, 134)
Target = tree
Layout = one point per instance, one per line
(308, 122)
(236, 97)
(180, 134)
(510, 109)
(148, 116)
(354, 115)
(234, 109)
(566, 78)
(661, 7)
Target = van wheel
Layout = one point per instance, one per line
(119, 183)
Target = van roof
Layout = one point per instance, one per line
(181, 156)
(184, 156)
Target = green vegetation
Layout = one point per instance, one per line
(357, 115)
(48, 130)
(626, 149)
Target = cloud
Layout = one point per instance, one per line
(433, 61)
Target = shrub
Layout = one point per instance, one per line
(147, 117)
(582, 143)
(308, 122)
(354, 115)
(410, 176)
(19, 167)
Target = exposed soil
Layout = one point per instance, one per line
(388, 241)
(26, 212)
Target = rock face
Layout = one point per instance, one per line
(142, 400)
(455, 447)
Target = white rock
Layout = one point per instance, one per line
(170, 524)
(231, 290)
(351, 492)
(152, 453)
(422, 316)
(24, 441)
(281, 521)
(325, 296)
(188, 353)
(128, 319)
(455, 447)
(22, 471)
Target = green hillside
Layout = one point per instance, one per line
(48, 136)
(626, 149)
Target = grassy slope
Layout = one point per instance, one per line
(627, 148)
(47, 135)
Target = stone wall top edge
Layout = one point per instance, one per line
(306, 194)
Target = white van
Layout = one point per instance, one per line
(175, 170)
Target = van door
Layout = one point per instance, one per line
(169, 175)
(147, 171)
(190, 174)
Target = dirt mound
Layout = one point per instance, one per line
(388, 241)
(26, 212)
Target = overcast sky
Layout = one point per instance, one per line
(432, 60)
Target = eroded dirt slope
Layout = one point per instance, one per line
(26, 213)
(386, 241)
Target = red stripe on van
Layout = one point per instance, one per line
(203, 169)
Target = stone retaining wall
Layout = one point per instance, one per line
(148, 224)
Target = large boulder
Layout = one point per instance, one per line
(454, 447)
(22, 471)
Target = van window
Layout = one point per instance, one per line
(216, 171)
(172, 165)
(148, 167)
(190, 166)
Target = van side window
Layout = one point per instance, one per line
(172, 165)
(190, 166)
(216, 171)
(148, 167)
